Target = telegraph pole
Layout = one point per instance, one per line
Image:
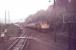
(8, 17)
(5, 30)
(5, 17)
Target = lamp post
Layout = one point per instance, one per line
(49, 1)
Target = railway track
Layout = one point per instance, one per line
(19, 43)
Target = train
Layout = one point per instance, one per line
(42, 25)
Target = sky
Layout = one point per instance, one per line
(19, 10)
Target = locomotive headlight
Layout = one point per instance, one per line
(45, 26)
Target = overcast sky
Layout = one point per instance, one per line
(21, 9)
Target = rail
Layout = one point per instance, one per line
(18, 44)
